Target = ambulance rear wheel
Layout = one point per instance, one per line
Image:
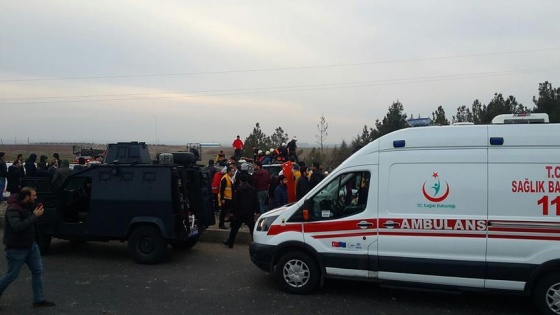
(297, 273)
(547, 293)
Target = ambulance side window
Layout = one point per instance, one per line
(343, 196)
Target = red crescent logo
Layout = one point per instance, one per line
(433, 199)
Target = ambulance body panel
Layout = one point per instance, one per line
(472, 206)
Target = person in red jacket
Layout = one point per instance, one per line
(237, 146)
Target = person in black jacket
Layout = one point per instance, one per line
(3, 175)
(19, 238)
(30, 167)
(244, 207)
(15, 173)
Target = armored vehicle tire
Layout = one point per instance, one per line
(297, 273)
(547, 293)
(43, 240)
(146, 244)
(188, 244)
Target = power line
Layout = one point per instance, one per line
(275, 69)
(291, 88)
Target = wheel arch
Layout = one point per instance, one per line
(549, 266)
(297, 246)
(154, 221)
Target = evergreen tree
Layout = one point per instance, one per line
(548, 101)
(394, 120)
(438, 117)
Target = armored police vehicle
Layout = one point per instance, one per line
(149, 205)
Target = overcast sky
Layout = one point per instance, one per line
(173, 72)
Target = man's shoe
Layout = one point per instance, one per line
(43, 303)
(223, 227)
(228, 244)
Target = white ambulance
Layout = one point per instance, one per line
(458, 207)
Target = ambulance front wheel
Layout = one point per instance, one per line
(547, 293)
(297, 273)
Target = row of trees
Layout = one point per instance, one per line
(548, 101)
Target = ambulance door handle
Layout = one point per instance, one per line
(364, 224)
(391, 224)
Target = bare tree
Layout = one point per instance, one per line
(322, 127)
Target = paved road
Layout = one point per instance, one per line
(100, 278)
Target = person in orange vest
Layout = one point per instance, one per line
(226, 195)
(216, 187)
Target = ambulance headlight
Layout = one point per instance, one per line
(264, 223)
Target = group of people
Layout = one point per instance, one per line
(241, 196)
(284, 152)
(55, 169)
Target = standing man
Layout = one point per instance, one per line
(244, 208)
(19, 238)
(237, 146)
(292, 149)
(281, 192)
(226, 195)
(316, 175)
(3, 175)
(261, 180)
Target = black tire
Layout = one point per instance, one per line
(547, 293)
(297, 273)
(43, 240)
(146, 245)
(183, 245)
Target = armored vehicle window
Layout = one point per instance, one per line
(344, 196)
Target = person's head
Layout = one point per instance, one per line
(267, 153)
(43, 158)
(54, 161)
(316, 166)
(20, 157)
(221, 152)
(2, 155)
(237, 136)
(16, 163)
(282, 179)
(283, 144)
(64, 163)
(244, 178)
(231, 170)
(27, 195)
(294, 138)
(295, 167)
(210, 162)
(303, 170)
(81, 160)
(301, 163)
(258, 164)
(56, 156)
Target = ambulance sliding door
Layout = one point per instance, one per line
(524, 202)
(432, 215)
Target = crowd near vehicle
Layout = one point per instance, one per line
(128, 199)
(470, 207)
